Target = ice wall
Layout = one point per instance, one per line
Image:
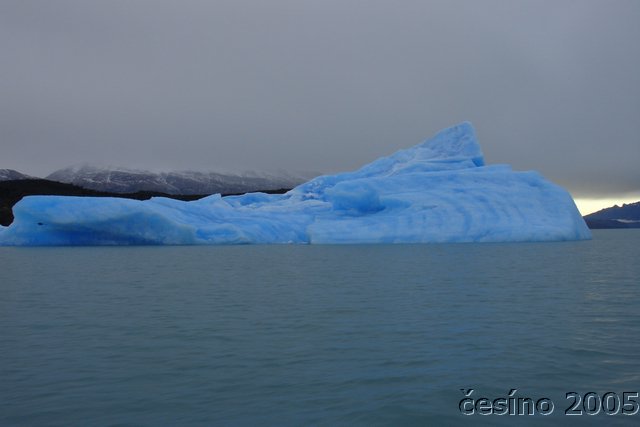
(438, 191)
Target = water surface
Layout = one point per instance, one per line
(321, 335)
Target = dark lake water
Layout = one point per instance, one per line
(318, 335)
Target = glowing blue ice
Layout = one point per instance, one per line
(438, 191)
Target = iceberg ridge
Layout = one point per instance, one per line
(437, 191)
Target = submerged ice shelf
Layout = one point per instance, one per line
(438, 191)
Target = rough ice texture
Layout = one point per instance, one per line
(438, 191)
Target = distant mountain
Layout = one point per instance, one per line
(118, 180)
(625, 216)
(11, 175)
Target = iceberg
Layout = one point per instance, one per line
(438, 191)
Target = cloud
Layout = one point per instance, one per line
(321, 85)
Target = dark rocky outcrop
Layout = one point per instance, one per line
(625, 216)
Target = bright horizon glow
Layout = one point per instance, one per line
(591, 205)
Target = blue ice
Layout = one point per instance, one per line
(438, 191)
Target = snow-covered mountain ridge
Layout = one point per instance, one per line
(11, 175)
(122, 180)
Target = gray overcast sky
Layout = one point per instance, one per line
(321, 85)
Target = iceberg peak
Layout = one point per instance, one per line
(457, 142)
